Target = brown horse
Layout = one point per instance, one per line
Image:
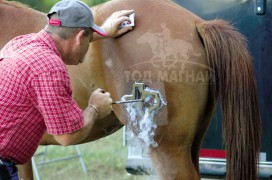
(192, 62)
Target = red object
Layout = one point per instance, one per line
(213, 153)
(35, 95)
(101, 33)
(54, 22)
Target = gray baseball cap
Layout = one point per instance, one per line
(73, 13)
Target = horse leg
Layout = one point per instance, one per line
(186, 105)
(25, 171)
(174, 163)
(196, 146)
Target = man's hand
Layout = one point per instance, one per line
(112, 24)
(102, 101)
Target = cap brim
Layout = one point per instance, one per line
(99, 30)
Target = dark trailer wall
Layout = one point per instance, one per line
(258, 30)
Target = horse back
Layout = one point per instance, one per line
(17, 19)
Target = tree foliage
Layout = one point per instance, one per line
(45, 5)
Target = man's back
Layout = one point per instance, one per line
(30, 65)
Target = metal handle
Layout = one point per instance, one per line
(260, 7)
(128, 101)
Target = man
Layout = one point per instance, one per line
(35, 90)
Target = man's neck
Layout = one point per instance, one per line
(62, 45)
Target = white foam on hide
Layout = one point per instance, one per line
(143, 123)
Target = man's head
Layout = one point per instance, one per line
(71, 22)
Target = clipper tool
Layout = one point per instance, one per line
(150, 99)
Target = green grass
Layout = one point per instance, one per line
(105, 159)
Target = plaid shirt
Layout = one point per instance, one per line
(35, 96)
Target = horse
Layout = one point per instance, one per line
(192, 62)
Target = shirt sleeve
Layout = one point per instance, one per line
(53, 98)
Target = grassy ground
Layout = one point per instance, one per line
(105, 159)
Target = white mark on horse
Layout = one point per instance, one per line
(109, 63)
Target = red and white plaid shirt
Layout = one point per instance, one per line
(35, 95)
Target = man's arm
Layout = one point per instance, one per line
(90, 116)
(62, 116)
(112, 25)
(100, 105)
(101, 128)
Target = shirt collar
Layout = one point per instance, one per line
(44, 36)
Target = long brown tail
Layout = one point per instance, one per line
(234, 84)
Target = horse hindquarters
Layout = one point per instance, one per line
(186, 104)
(234, 83)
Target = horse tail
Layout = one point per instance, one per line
(233, 82)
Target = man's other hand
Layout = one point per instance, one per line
(112, 24)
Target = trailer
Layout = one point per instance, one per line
(253, 18)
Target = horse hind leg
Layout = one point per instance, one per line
(199, 137)
(25, 171)
(173, 163)
(186, 106)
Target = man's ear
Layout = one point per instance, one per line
(79, 37)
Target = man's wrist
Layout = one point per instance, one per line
(95, 109)
(97, 37)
